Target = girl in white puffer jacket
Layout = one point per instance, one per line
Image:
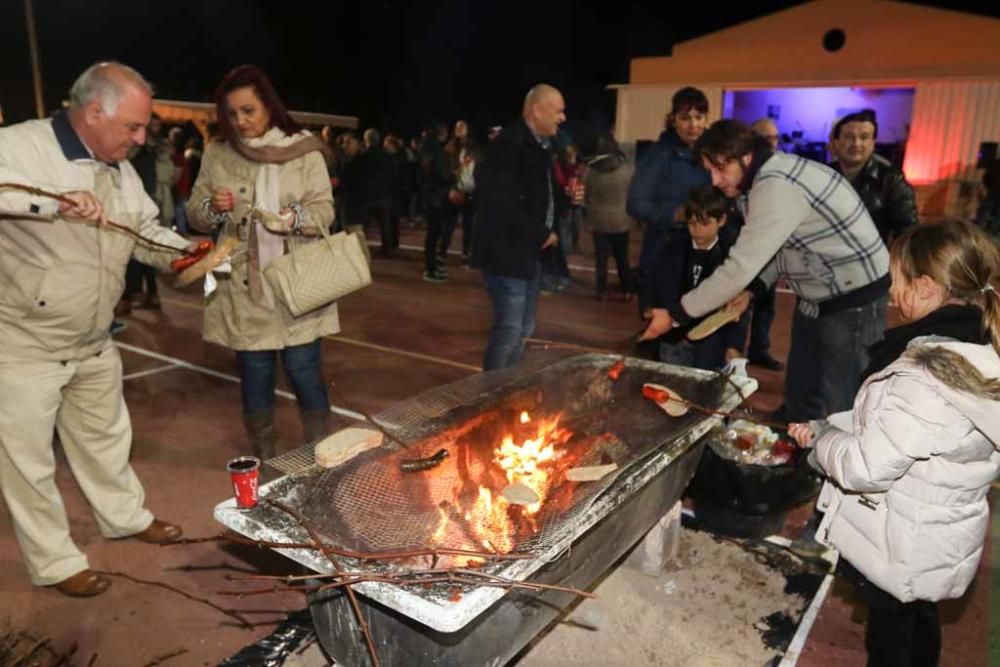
(908, 470)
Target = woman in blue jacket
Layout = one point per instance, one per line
(667, 172)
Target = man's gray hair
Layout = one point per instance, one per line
(105, 81)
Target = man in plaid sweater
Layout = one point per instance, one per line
(806, 224)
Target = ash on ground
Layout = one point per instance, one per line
(720, 603)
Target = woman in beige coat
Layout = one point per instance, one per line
(265, 183)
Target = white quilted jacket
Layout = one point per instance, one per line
(905, 499)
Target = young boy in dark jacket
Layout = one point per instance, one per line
(689, 255)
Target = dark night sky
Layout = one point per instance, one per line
(395, 64)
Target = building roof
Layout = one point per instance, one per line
(180, 110)
(886, 43)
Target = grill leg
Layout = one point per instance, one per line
(659, 546)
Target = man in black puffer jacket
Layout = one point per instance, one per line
(882, 187)
(514, 222)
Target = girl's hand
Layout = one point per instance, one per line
(802, 434)
(223, 200)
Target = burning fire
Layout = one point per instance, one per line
(525, 463)
(489, 519)
(528, 463)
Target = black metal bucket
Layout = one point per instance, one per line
(746, 500)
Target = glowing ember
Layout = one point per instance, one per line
(442, 527)
(489, 519)
(525, 463)
(492, 521)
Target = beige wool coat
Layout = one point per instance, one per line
(232, 319)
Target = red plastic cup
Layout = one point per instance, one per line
(245, 473)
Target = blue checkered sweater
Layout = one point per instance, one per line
(806, 224)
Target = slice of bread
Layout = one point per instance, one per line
(345, 444)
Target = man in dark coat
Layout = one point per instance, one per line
(515, 221)
(882, 187)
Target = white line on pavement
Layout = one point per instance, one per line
(180, 363)
(149, 371)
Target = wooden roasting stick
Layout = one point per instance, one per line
(66, 200)
(618, 367)
(734, 414)
(712, 323)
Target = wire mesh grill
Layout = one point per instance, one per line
(370, 504)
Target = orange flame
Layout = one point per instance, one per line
(442, 527)
(525, 463)
(490, 519)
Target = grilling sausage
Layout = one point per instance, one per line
(416, 465)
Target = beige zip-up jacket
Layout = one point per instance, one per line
(59, 279)
(232, 319)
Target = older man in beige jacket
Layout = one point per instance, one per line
(61, 272)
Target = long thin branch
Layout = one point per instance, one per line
(411, 578)
(450, 578)
(351, 596)
(163, 658)
(268, 591)
(289, 579)
(159, 584)
(733, 413)
(66, 200)
(421, 578)
(347, 553)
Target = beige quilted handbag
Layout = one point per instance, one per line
(312, 275)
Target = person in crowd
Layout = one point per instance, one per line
(377, 170)
(882, 187)
(556, 275)
(665, 175)
(767, 129)
(467, 159)
(166, 172)
(59, 370)
(182, 184)
(516, 221)
(393, 147)
(154, 164)
(351, 186)
(606, 182)
(264, 182)
(806, 224)
(762, 310)
(909, 472)
(455, 200)
(437, 181)
(988, 212)
(414, 211)
(192, 154)
(569, 172)
(689, 255)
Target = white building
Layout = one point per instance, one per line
(932, 76)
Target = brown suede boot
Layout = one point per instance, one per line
(315, 425)
(261, 433)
